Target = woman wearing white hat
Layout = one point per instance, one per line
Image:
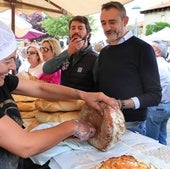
(15, 142)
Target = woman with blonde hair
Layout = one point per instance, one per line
(50, 48)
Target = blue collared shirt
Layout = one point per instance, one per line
(127, 36)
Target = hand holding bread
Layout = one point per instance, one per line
(83, 130)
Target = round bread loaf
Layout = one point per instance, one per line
(109, 127)
(123, 162)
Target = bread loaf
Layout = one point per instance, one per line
(60, 105)
(44, 117)
(21, 98)
(28, 114)
(123, 162)
(109, 127)
(26, 106)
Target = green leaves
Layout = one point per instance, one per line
(155, 27)
(58, 27)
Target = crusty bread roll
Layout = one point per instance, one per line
(44, 117)
(21, 98)
(26, 106)
(60, 105)
(109, 127)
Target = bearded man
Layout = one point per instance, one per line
(78, 61)
(127, 68)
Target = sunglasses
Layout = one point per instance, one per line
(31, 52)
(44, 49)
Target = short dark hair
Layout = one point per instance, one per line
(117, 5)
(81, 19)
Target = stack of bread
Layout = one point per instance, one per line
(27, 108)
(35, 111)
(26, 104)
(57, 111)
(109, 127)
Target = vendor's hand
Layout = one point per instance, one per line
(94, 99)
(83, 130)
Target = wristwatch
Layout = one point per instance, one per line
(122, 104)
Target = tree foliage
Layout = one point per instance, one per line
(58, 27)
(155, 27)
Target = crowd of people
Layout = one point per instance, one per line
(128, 73)
(35, 55)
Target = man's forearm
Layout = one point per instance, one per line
(55, 63)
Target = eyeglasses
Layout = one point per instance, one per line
(44, 49)
(31, 52)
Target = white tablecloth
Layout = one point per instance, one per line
(70, 154)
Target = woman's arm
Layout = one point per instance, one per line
(55, 92)
(25, 144)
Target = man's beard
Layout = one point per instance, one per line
(114, 37)
(84, 38)
(75, 36)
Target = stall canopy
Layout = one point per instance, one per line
(31, 34)
(23, 29)
(54, 8)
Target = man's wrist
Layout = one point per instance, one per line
(126, 104)
(121, 104)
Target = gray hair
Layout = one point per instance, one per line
(162, 47)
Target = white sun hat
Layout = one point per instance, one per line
(8, 42)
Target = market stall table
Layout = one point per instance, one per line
(71, 154)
